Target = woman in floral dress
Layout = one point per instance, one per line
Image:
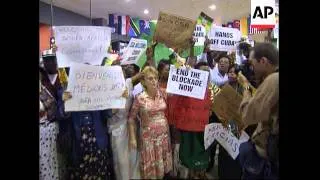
(154, 145)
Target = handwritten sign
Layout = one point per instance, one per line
(226, 105)
(199, 35)
(215, 131)
(123, 47)
(174, 31)
(134, 50)
(223, 38)
(187, 82)
(81, 44)
(202, 28)
(95, 88)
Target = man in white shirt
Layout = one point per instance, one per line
(219, 76)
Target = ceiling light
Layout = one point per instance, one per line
(212, 7)
(146, 11)
(127, 0)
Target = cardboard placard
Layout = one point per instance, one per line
(174, 31)
(226, 105)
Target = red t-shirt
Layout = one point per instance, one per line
(191, 114)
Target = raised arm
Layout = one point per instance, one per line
(136, 78)
(150, 56)
(132, 124)
(192, 42)
(257, 108)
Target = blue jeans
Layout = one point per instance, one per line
(253, 165)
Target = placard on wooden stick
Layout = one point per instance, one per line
(226, 105)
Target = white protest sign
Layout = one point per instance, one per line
(276, 32)
(223, 38)
(263, 14)
(215, 131)
(199, 35)
(122, 48)
(81, 44)
(238, 57)
(187, 82)
(95, 88)
(133, 51)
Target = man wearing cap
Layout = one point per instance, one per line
(50, 79)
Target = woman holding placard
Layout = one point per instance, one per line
(191, 116)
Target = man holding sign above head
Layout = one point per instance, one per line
(220, 76)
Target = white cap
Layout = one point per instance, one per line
(48, 52)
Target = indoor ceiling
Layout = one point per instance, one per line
(226, 10)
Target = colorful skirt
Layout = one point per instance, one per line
(49, 169)
(95, 163)
(156, 152)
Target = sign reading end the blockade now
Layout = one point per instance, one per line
(223, 38)
(187, 82)
(95, 88)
